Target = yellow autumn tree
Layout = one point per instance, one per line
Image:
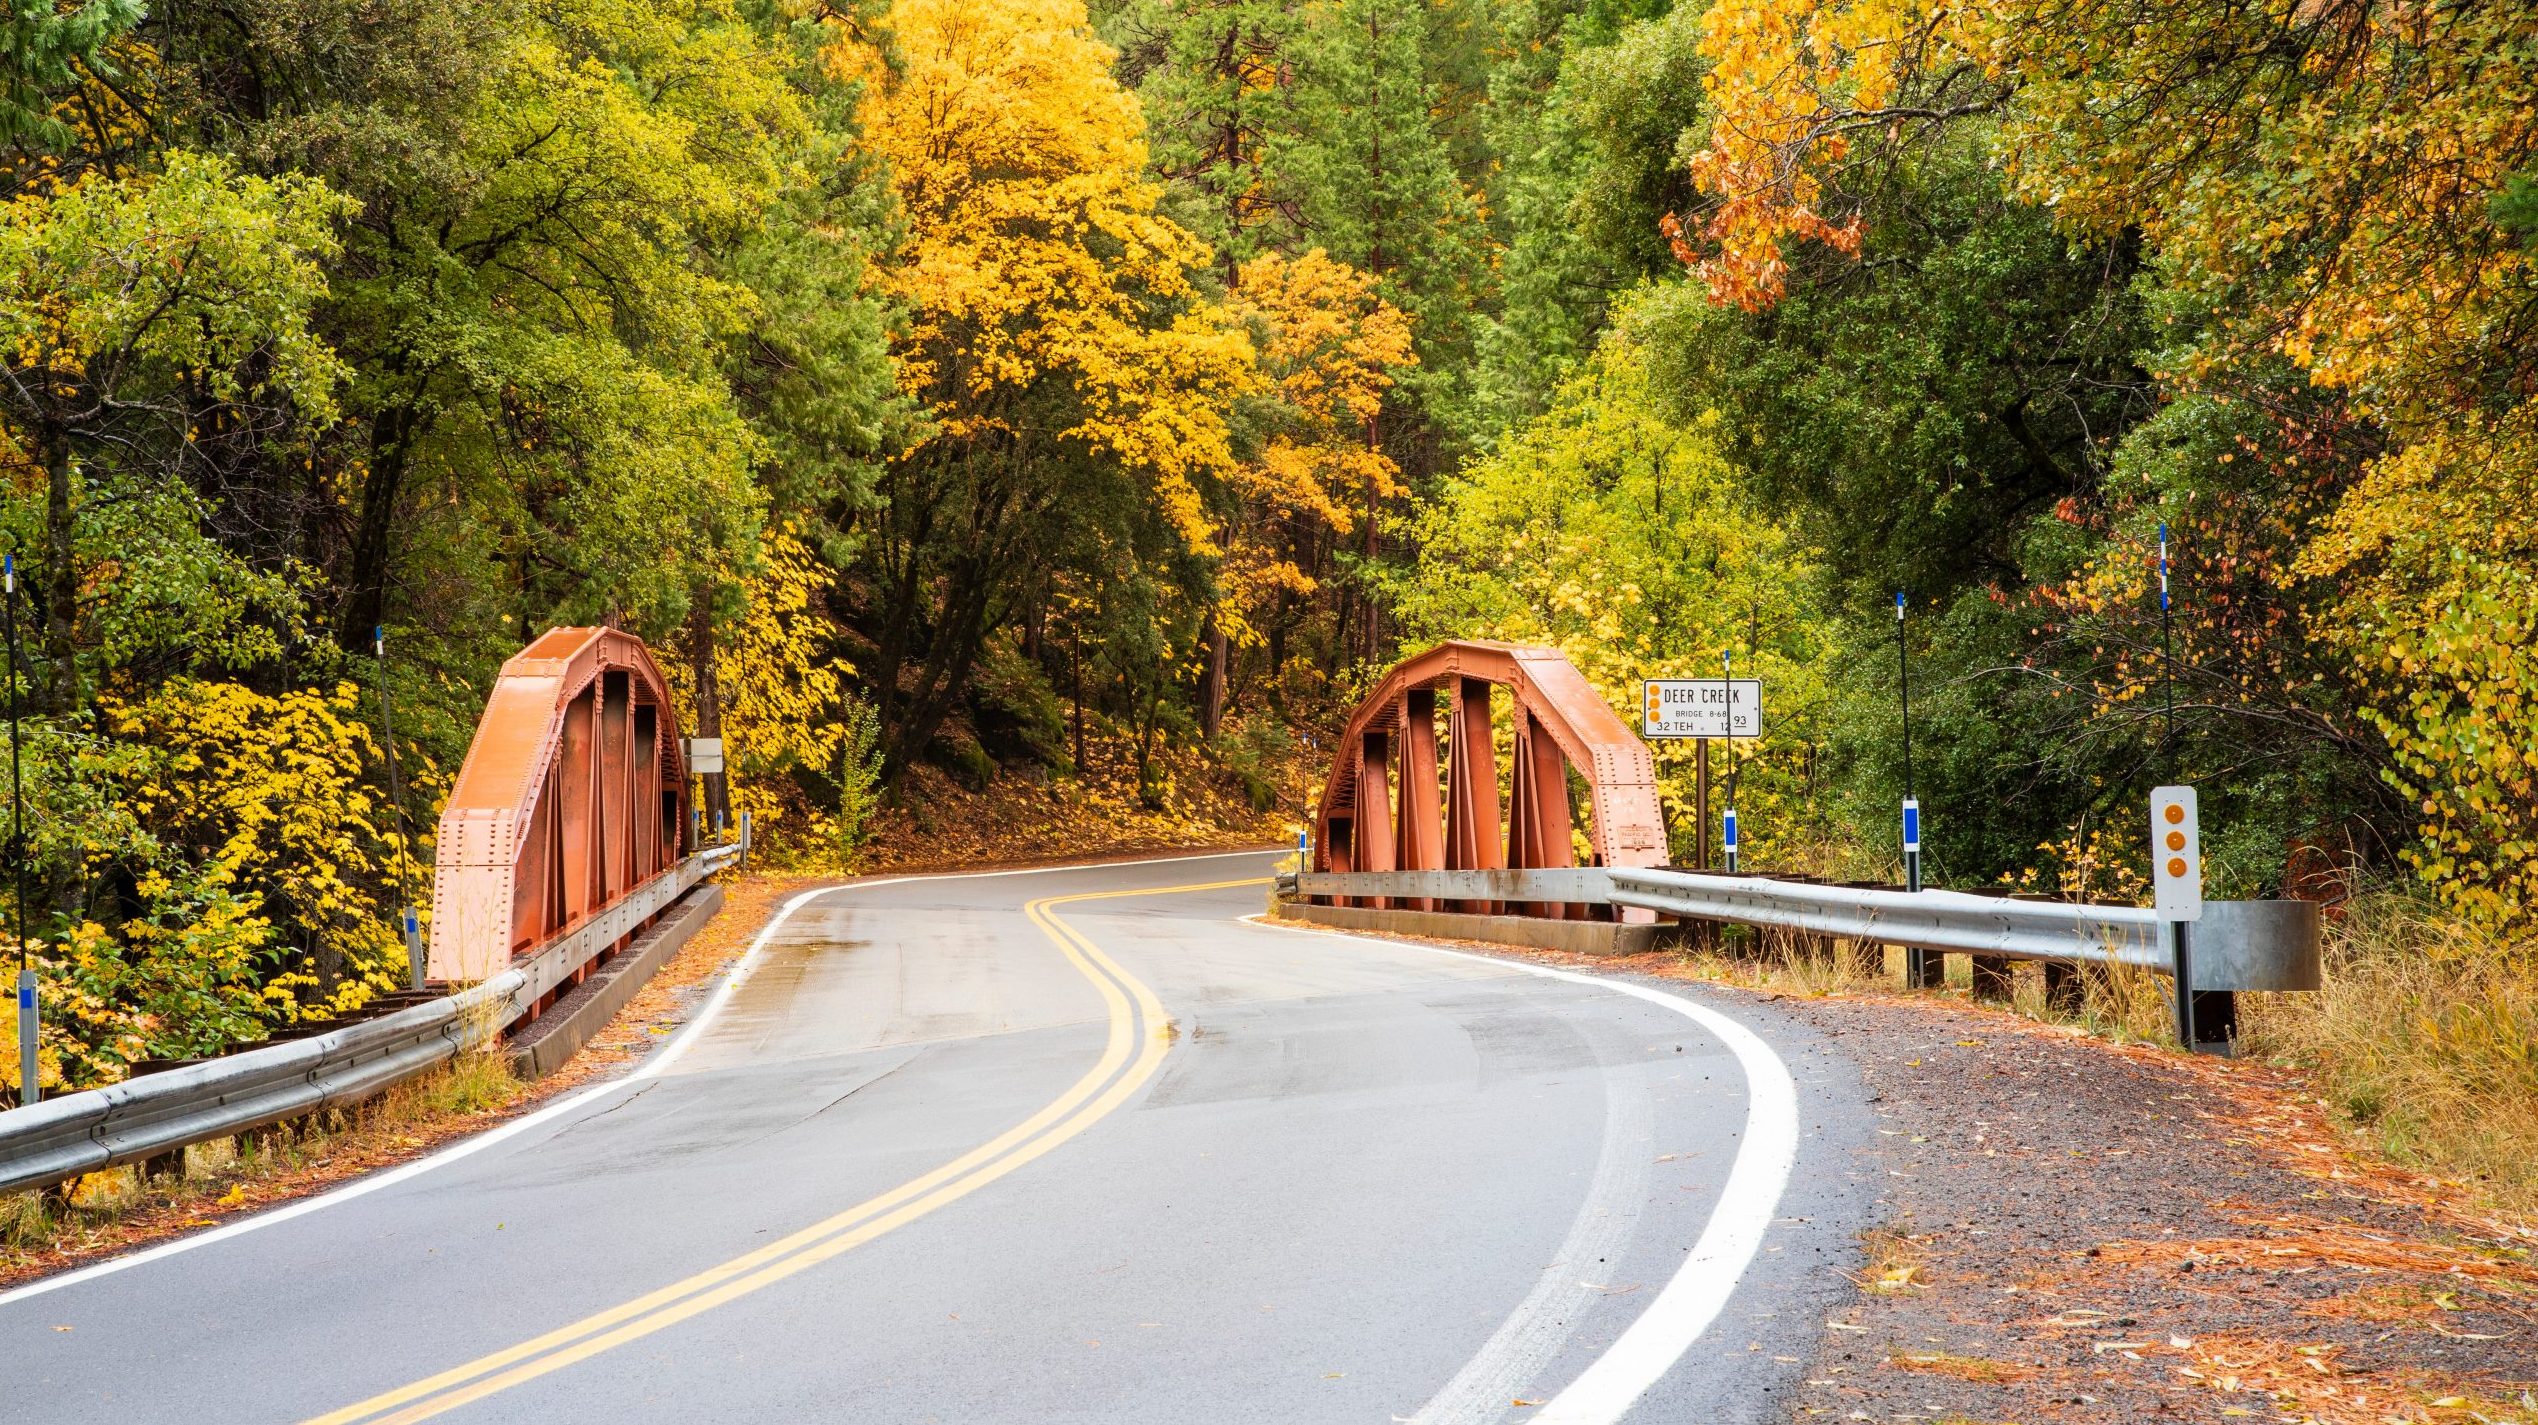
(1078, 386)
(1330, 345)
(780, 690)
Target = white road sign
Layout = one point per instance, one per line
(1702, 707)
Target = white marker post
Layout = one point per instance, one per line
(2176, 883)
(1923, 969)
(1727, 682)
(30, 1061)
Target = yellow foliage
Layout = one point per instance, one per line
(781, 685)
(1035, 252)
(235, 854)
(1329, 345)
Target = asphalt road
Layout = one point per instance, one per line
(1058, 1146)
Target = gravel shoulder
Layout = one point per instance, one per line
(2083, 1231)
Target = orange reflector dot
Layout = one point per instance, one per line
(2176, 866)
(2176, 841)
(2176, 813)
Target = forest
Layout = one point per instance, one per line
(957, 394)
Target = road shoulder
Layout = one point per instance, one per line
(2068, 1229)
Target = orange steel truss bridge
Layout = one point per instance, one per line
(1382, 809)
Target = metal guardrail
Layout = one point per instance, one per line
(1919, 920)
(2239, 945)
(61, 1138)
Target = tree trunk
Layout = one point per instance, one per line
(61, 576)
(1075, 661)
(1212, 680)
(1374, 615)
(1145, 748)
(366, 594)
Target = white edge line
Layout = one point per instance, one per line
(1699, 1290)
(651, 1067)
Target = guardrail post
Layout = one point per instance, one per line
(2065, 993)
(1993, 977)
(2215, 1021)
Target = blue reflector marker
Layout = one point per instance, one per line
(1912, 824)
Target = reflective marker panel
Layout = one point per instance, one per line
(1912, 824)
(2176, 854)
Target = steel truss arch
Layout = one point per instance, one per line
(574, 793)
(1558, 721)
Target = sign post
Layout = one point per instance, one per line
(1672, 709)
(2176, 881)
(1727, 684)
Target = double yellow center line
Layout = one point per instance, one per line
(1139, 1035)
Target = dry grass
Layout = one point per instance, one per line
(2309, 1383)
(2426, 1039)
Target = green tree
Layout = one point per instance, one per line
(1621, 535)
(136, 310)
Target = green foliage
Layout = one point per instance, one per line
(1624, 538)
(858, 781)
(48, 47)
(113, 287)
(1914, 417)
(1638, 102)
